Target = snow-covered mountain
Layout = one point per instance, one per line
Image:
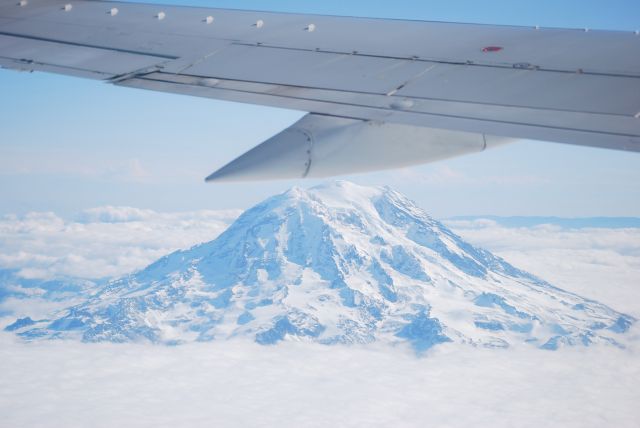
(339, 263)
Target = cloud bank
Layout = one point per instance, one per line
(598, 263)
(239, 384)
(101, 242)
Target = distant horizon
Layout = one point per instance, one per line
(522, 220)
(604, 221)
(578, 221)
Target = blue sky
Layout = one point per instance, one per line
(69, 144)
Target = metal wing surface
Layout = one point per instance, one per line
(429, 90)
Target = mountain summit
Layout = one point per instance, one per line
(339, 263)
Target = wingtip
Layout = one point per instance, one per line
(212, 177)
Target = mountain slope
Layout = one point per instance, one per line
(338, 263)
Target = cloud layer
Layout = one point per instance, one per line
(239, 384)
(602, 264)
(101, 242)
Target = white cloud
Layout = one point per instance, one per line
(602, 264)
(111, 214)
(35, 306)
(239, 384)
(102, 242)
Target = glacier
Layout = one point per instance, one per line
(335, 264)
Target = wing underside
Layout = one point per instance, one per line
(569, 86)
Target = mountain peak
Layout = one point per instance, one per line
(337, 263)
(336, 194)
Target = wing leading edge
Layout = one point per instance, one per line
(452, 80)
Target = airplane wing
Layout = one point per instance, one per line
(380, 93)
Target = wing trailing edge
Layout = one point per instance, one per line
(321, 146)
